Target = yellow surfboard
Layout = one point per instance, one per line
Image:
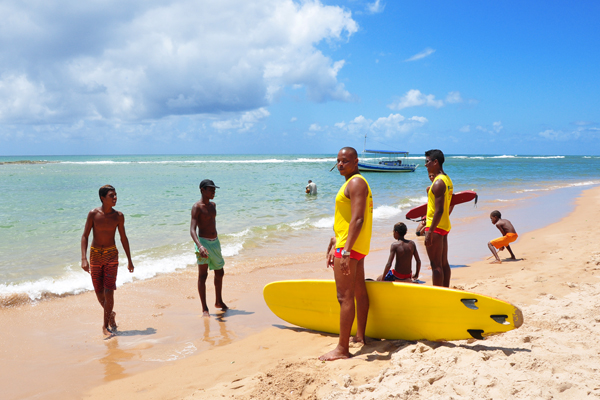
(396, 311)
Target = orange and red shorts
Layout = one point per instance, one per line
(504, 240)
(355, 255)
(103, 267)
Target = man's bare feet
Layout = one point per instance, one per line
(111, 322)
(336, 354)
(205, 313)
(107, 333)
(496, 262)
(222, 306)
(356, 342)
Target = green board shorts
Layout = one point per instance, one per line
(215, 259)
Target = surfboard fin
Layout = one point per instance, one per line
(501, 319)
(470, 303)
(476, 333)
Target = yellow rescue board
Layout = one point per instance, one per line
(396, 311)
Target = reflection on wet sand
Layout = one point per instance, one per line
(113, 370)
(224, 336)
(114, 355)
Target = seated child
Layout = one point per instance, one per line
(509, 235)
(403, 250)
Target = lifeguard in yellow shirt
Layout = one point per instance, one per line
(347, 250)
(438, 225)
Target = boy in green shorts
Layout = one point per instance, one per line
(203, 230)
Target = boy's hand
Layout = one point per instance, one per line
(85, 265)
(130, 267)
(203, 252)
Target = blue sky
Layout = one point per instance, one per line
(282, 76)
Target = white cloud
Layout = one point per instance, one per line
(427, 52)
(551, 134)
(135, 60)
(414, 98)
(496, 128)
(453, 98)
(293, 119)
(392, 125)
(465, 129)
(243, 123)
(376, 7)
(315, 128)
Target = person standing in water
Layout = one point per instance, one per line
(103, 222)
(203, 229)
(347, 251)
(438, 224)
(311, 188)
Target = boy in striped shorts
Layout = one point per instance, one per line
(104, 257)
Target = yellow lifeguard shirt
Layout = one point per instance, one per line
(343, 215)
(445, 220)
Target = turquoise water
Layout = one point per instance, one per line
(261, 200)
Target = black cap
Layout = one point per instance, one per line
(207, 183)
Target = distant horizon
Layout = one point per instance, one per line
(291, 154)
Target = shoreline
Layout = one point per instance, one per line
(522, 203)
(551, 356)
(160, 321)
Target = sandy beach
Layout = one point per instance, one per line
(554, 354)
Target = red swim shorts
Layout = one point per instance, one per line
(353, 254)
(438, 231)
(103, 267)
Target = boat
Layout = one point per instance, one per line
(385, 161)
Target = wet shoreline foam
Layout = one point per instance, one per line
(259, 245)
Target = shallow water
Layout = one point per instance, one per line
(262, 208)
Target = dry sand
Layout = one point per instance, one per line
(554, 355)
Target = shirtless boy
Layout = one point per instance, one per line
(104, 257)
(404, 251)
(203, 230)
(509, 235)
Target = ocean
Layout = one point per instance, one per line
(262, 208)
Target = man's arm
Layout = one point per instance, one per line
(89, 224)
(357, 193)
(390, 260)
(125, 241)
(330, 255)
(438, 188)
(194, 230)
(417, 259)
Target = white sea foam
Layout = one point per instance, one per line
(385, 212)
(576, 184)
(75, 280)
(187, 350)
(326, 222)
(257, 161)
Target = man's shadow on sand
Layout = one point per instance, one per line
(381, 349)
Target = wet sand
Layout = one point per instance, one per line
(165, 349)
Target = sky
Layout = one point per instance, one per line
(298, 77)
